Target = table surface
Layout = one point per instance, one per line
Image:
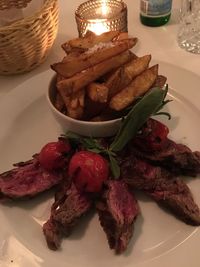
(161, 42)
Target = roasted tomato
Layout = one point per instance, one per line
(52, 155)
(152, 136)
(88, 170)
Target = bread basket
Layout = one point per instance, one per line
(26, 43)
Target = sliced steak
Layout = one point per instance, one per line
(178, 158)
(69, 206)
(52, 234)
(27, 180)
(117, 211)
(163, 187)
(153, 144)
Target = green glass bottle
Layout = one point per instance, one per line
(155, 12)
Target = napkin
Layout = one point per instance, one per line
(7, 17)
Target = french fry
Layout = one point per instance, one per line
(74, 45)
(60, 95)
(160, 81)
(88, 41)
(140, 85)
(121, 36)
(123, 76)
(97, 92)
(59, 103)
(75, 105)
(107, 76)
(71, 85)
(74, 64)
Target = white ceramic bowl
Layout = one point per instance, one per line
(86, 128)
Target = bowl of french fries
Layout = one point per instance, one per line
(98, 81)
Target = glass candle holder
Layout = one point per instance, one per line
(101, 16)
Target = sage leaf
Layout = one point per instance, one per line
(95, 150)
(115, 169)
(163, 113)
(138, 115)
(72, 136)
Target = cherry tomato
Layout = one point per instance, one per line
(52, 154)
(153, 135)
(159, 131)
(88, 170)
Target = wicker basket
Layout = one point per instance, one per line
(26, 43)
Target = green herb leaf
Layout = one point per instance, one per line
(162, 105)
(138, 115)
(72, 136)
(95, 150)
(164, 102)
(163, 113)
(89, 143)
(115, 169)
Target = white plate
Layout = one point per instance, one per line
(159, 238)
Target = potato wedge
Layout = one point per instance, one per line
(59, 103)
(121, 36)
(71, 85)
(107, 75)
(75, 105)
(74, 64)
(97, 92)
(140, 85)
(88, 41)
(65, 98)
(124, 75)
(160, 81)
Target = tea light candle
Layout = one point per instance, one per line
(101, 16)
(97, 26)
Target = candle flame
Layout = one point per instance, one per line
(98, 27)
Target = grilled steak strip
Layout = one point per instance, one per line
(117, 211)
(163, 187)
(65, 213)
(152, 144)
(27, 180)
(178, 158)
(52, 234)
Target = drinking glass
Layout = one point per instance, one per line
(189, 27)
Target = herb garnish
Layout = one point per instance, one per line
(150, 104)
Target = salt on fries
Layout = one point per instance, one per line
(90, 39)
(100, 73)
(77, 63)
